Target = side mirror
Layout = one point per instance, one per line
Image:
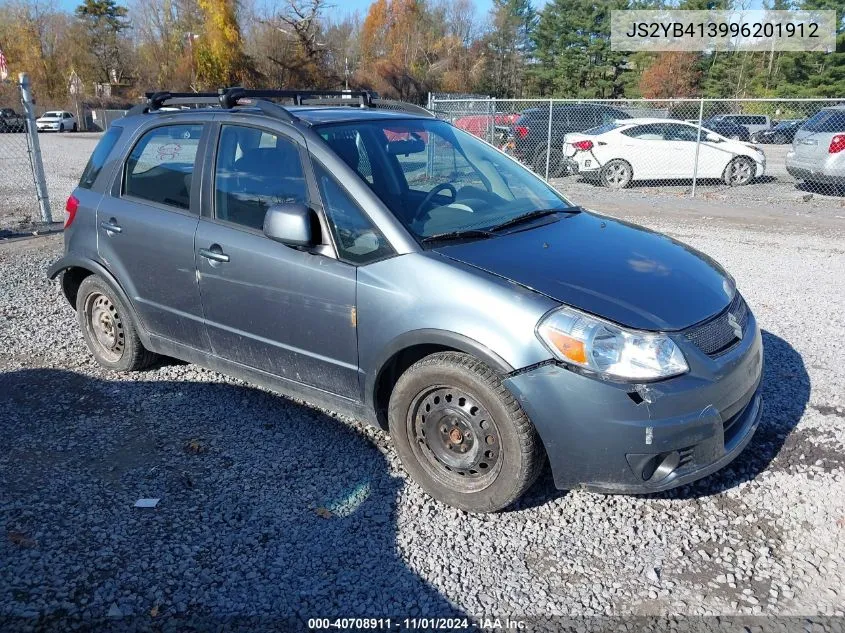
(289, 224)
(712, 138)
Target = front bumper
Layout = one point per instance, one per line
(624, 438)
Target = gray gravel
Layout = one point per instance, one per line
(272, 508)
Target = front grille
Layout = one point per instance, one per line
(717, 335)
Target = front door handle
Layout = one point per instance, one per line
(111, 226)
(214, 253)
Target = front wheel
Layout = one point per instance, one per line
(739, 172)
(616, 174)
(461, 435)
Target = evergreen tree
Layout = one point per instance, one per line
(103, 22)
(509, 46)
(573, 53)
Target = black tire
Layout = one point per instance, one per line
(61, 128)
(74, 128)
(108, 327)
(616, 174)
(538, 163)
(474, 448)
(740, 171)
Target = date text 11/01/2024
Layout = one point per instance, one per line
(417, 624)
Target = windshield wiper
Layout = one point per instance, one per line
(457, 235)
(532, 215)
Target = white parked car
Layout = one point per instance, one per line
(56, 121)
(619, 152)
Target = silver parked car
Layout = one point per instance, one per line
(818, 150)
(392, 267)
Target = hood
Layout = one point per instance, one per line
(624, 273)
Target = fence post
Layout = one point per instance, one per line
(549, 139)
(34, 148)
(697, 145)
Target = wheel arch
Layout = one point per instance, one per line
(410, 347)
(74, 270)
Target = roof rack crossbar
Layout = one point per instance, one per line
(364, 97)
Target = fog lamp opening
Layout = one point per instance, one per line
(661, 466)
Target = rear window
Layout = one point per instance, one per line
(826, 121)
(98, 158)
(601, 129)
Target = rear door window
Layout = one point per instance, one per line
(649, 132)
(160, 167)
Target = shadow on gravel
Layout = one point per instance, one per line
(268, 510)
(786, 392)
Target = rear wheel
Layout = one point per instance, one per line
(461, 435)
(616, 174)
(74, 128)
(555, 161)
(739, 172)
(108, 327)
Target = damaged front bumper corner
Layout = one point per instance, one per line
(623, 438)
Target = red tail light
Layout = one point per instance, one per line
(521, 131)
(837, 144)
(584, 146)
(71, 206)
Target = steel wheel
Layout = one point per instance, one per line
(739, 172)
(105, 326)
(454, 438)
(616, 174)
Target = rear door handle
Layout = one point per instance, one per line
(111, 226)
(214, 253)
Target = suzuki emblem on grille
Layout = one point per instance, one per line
(737, 328)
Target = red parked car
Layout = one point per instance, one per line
(481, 124)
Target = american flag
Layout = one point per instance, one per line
(4, 70)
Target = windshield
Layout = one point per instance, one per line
(52, 115)
(438, 179)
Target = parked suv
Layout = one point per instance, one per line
(391, 267)
(530, 133)
(817, 155)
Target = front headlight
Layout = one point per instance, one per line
(608, 349)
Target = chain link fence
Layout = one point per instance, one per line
(23, 190)
(765, 149)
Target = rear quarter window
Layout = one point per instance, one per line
(99, 157)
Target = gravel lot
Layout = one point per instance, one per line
(271, 508)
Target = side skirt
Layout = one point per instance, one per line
(276, 384)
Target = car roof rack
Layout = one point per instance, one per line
(229, 98)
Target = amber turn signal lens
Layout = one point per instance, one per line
(571, 348)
